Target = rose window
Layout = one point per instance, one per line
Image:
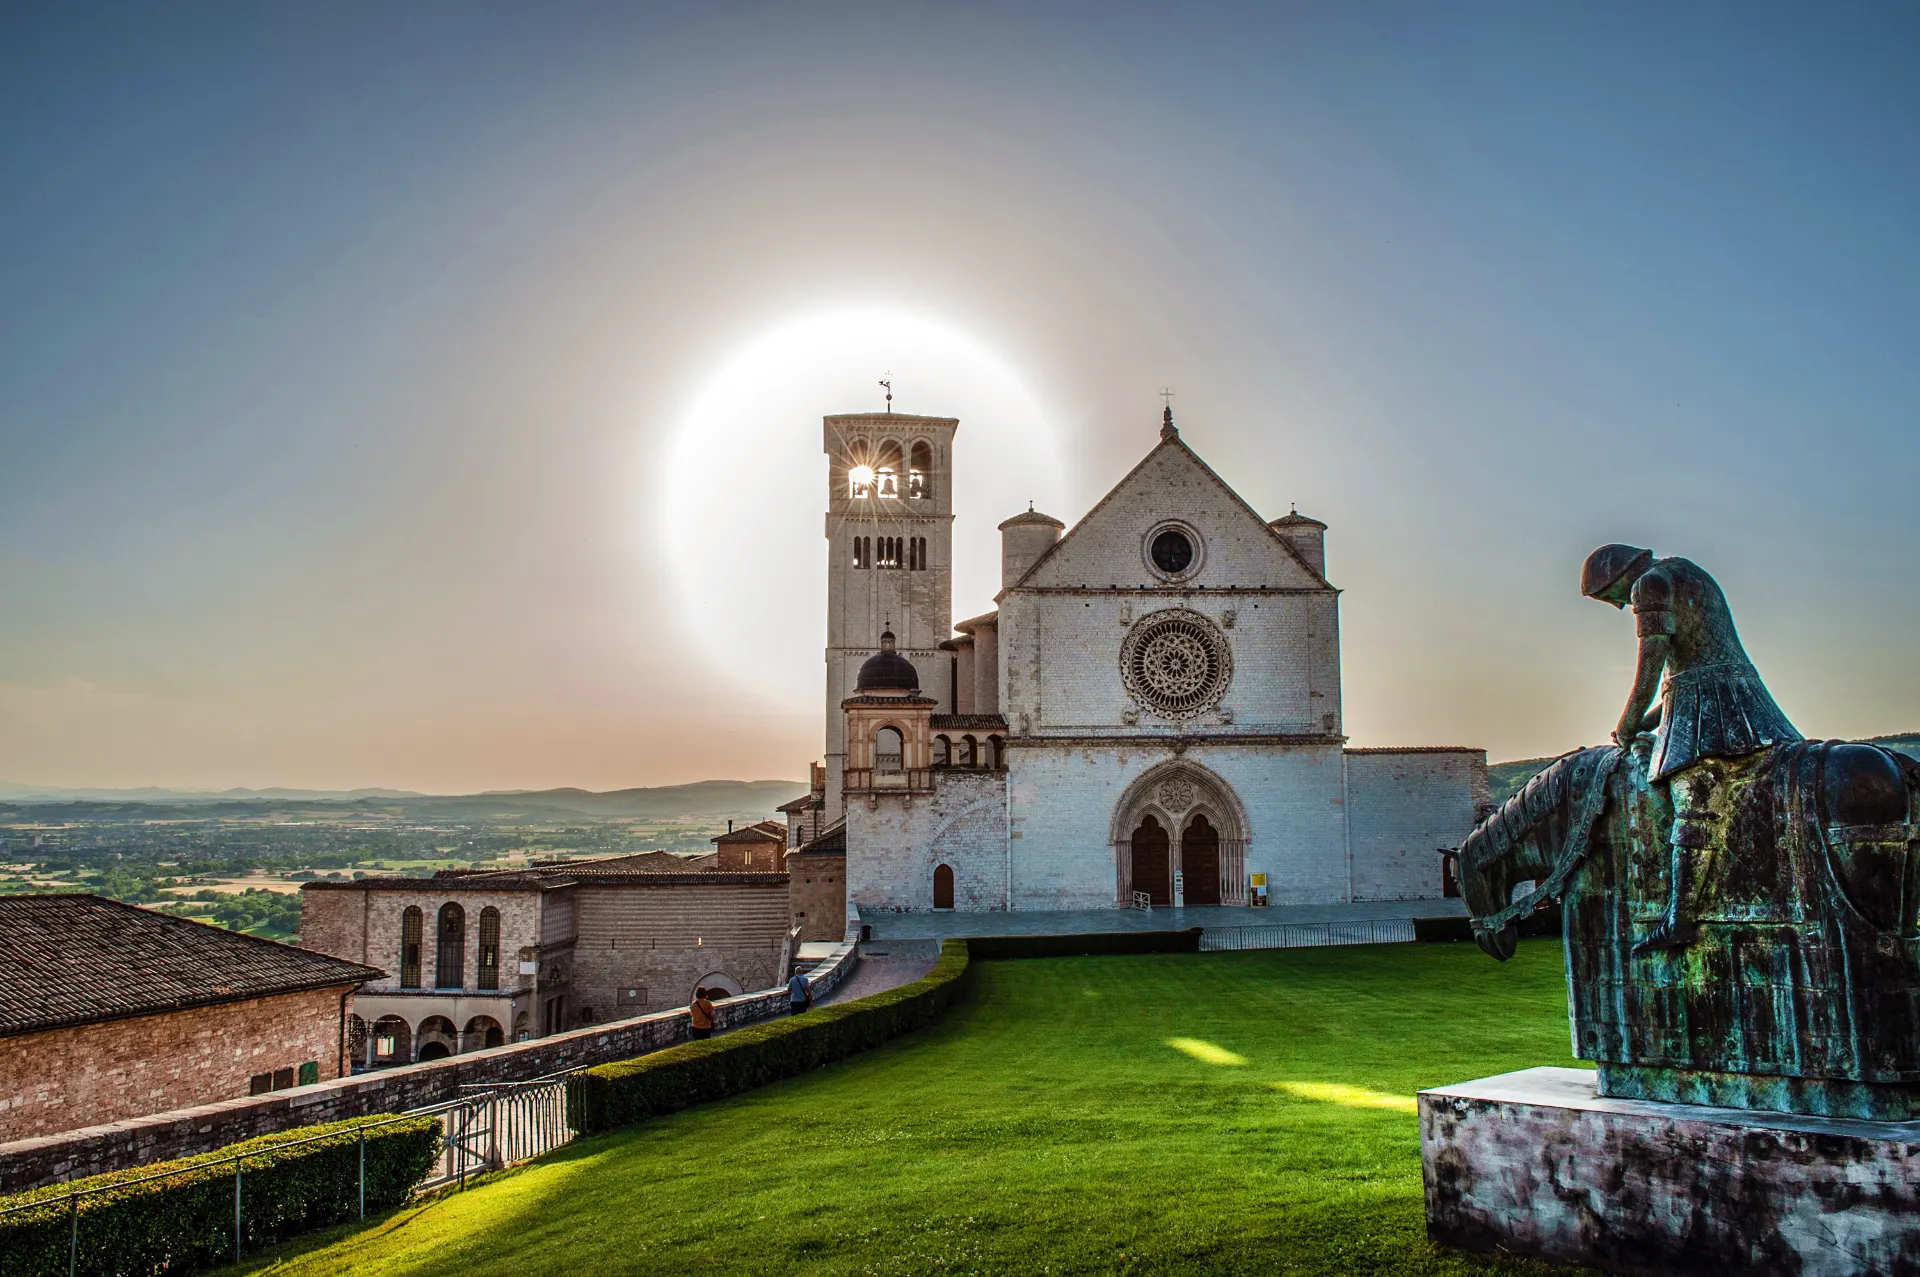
(1176, 663)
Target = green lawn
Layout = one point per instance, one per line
(1247, 1112)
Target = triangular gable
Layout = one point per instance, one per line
(1171, 481)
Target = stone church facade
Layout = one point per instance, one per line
(1152, 713)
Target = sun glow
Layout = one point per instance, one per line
(1208, 1052)
(1358, 1097)
(739, 503)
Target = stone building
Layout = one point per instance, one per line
(478, 958)
(109, 1011)
(818, 873)
(756, 848)
(1152, 713)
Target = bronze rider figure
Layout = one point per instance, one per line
(1713, 706)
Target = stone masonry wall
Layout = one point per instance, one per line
(1064, 797)
(894, 845)
(139, 1141)
(649, 946)
(1403, 806)
(819, 894)
(363, 924)
(66, 1078)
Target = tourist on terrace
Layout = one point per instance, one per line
(800, 993)
(700, 1013)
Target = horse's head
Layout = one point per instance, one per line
(1521, 843)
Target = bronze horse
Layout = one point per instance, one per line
(1802, 993)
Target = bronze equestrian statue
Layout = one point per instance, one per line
(1741, 907)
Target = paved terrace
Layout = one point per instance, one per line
(1072, 922)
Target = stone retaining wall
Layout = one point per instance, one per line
(158, 1137)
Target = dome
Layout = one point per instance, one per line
(887, 671)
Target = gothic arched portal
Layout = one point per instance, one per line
(1180, 816)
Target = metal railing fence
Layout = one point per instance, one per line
(495, 1126)
(1306, 935)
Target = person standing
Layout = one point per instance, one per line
(799, 994)
(700, 1015)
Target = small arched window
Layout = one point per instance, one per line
(970, 751)
(886, 749)
(942, 751)
(943, 887)
(996, 752)
(451, 950)
(410, 925)
(489, 973)
(920, 471)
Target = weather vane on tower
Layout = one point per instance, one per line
(887, 385)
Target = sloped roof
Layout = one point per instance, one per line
(1169, 439)
(831, 842)
(762, 831)
(967, 722)
(73, 959)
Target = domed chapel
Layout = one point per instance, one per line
(1151, 715)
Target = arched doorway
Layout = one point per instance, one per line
(482, 1031)
(1152, 862)
(392, 1041)
(943, 887)
(1200, 861)
(435, 1039)
(1180, 815)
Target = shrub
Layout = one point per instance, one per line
(628, 1091)
(185, 1222)
(989, 948)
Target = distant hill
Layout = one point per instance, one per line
(706, 798)
(151, 794)
(1505, 779)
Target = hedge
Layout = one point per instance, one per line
(628, 1091)
(991, 948)
(185, 1222)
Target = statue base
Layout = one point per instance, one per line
(1869, 1101)
(1535, 1163)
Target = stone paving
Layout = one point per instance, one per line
(884, 967)
(1065, 922)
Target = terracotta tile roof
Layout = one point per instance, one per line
(79, 959)
(968, 722)
(764, 831)
(833, 842)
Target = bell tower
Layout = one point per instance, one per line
(889, 558)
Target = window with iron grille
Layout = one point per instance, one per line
(410, 948)
(451, 951)
(489, 948)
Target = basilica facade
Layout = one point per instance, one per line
(1152, 714)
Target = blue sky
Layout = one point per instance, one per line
(339, 345)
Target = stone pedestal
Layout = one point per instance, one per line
(1534, 1163)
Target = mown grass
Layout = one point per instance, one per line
(1230, 1113)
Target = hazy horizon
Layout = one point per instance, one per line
(428, 397)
